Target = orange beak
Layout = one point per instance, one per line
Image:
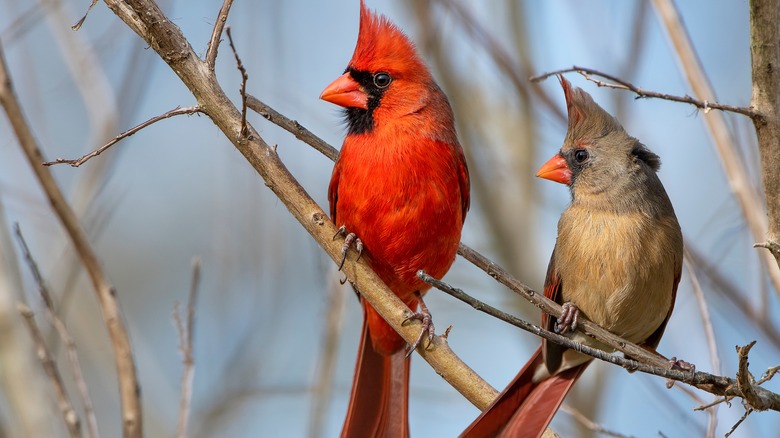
(556, 170)
(345, 92)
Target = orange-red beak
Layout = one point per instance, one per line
(556, 170)
(345, 92)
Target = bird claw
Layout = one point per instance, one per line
(349, 240)
(426, 320)
(569, 319)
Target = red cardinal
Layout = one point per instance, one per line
(617, 261)
(401, 185)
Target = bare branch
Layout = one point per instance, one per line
(216, 34)
(186, 336)
(83, 159)
(292, 127)
(79, 23)
(129, 389)
(622, 84)
(66, 408)
(244, 78)
(765, 57)
(746, 382)
(62, 331)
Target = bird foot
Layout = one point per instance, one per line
(425, 318)
(680, 365)
(349, 240)
(570, 317)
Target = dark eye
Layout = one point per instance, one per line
(581, 155)
(382, 80)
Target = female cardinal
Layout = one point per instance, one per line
(401, 185)
(617, 261)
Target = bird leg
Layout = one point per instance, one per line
(570, 316)
(424, 316)
(349, 239)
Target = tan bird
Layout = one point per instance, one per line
(617, 261)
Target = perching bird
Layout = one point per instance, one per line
(617, 261)
(401, 186)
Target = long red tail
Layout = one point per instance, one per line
(525, 408)
(379, 403)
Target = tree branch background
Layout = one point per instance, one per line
(269, 302)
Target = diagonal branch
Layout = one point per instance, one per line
(63, 402)
(216, 34)
(83, 159)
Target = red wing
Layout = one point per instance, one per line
(333, 191)
(553, 353)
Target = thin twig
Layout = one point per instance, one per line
(79, 23)
(129, 388)
(244, 78)
(768, 374)
(216, 34)
(50, 367)
(590, 424)
(748, 411)
(709, 334)
(62, 331)
(186, 336)
(83, 159)
(622, 84)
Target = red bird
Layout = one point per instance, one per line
(401, 184)
(617, 261)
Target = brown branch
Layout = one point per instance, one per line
(79, 23)
(293, 127)
(50, 367)
(736, 425)
(165, 38)
(622, 84)
(62, 331)
(83, 159)
(244, 78)
(765, 59)
(747, 384)
(186, 336)
(216, 34)
(129, 389)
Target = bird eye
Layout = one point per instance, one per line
(581, 155)
(382, 80)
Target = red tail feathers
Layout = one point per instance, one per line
(378, 405)
(525, 408)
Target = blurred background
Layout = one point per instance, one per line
(276, 335)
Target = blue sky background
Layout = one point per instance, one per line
(179, 189)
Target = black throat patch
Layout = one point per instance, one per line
(359, 120)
